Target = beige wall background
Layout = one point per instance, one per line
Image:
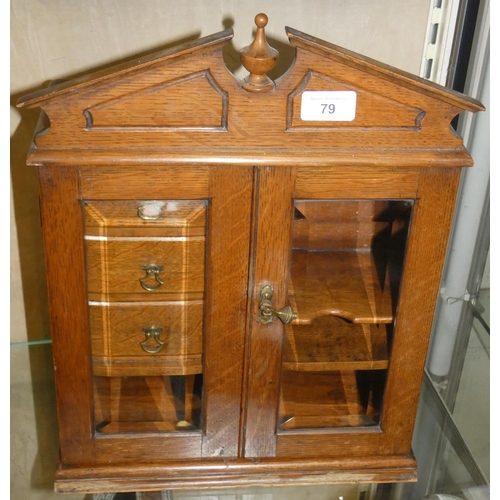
(53, 39)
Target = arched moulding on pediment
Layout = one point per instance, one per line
(369, 111)
(156, 108)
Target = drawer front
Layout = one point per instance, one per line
(116, 265)
(145, 218)
(140, 340)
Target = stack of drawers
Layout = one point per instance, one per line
(146, 267)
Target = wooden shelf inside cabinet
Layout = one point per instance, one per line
(333, 399)
(335, 344)
(343, 311)
(344, 283)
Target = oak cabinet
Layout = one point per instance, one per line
(242, 275)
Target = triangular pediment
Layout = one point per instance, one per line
(185, 100)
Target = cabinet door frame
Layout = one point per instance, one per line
(229, 192)
(433, 191)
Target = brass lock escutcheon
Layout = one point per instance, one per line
(152, 342)
(152, 270)
(267, 312)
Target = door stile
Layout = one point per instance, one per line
(230, 193)
(65, 265)
(271, 263)
(427, 245)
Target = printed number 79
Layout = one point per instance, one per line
(330, 108)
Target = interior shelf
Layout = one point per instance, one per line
(330, 399)
(353, 285)
(344, 311)
(335, 344)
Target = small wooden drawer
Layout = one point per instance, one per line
(121, 347)
(145, 249)
(146, 218)
(118, 267)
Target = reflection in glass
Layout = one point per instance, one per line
(346, 269)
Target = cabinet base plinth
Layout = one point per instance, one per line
(237, 473)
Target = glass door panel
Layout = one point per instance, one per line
(146, 275)
(346, 268)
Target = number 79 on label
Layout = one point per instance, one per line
(334, 105)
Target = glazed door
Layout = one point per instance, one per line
(335, 338)
(158, 258)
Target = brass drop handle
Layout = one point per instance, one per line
(267, 312)
(152, 335)
(152, 270)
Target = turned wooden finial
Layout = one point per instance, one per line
(259, 58)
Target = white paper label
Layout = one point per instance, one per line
(328, 106)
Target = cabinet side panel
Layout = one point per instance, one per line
(226, 301)
(272, 259)
(424, 262)
(63, 238)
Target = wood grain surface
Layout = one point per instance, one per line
(228, 248)
(331, 343)
(422, 274)
(396, 109)
(140, 182)
(344, 284)
(172, 218)
(271, 254)
(116, 264)
(117, 330)
(240, 472)
(65, 266)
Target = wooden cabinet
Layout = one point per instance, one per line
(242, 275)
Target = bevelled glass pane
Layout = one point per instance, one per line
(346, 269)
(145, 279)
